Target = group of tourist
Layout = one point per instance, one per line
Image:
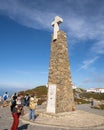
(17, 104)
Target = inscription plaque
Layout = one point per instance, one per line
(51, 98)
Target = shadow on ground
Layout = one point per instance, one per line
(25, 126)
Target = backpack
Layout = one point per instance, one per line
(5, 97)
(19, 108)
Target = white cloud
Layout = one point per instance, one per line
(80, 19)
(99, 79)
(98, 47)
(25, 15)
(87, 63)
(86, 80)
(94, 79)
(83, 20)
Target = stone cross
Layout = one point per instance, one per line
(55, 24)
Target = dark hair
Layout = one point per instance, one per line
(14, 97)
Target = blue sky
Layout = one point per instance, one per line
(25, 40)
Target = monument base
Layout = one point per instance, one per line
(71, 120)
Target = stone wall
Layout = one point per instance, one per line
(59, 74)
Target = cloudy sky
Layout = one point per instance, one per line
(25, 37)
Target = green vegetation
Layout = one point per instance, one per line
(83, 97)
(101, 107)
(80, 95)
(88, 95)
(40, 91)
(81, 101)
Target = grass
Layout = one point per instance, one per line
(88, 95)
(81, 101)
(101, 107)
(40, 91)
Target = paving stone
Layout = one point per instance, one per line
(79, 120)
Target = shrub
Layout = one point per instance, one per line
(81, 101)
(98, 96)
(99, 107)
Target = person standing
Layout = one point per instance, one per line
(5, 96)
(15, 95)
(32, 107)
(92, 102)
(27, 100)
(15, 114)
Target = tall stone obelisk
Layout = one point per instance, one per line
(60, 93)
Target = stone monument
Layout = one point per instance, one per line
(60, 93)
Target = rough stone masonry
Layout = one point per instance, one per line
(60, 75)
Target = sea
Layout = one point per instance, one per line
(10, 91)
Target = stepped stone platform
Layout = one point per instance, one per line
(68, 120)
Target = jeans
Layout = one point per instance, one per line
(32, 114)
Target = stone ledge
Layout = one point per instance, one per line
(77, 119)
